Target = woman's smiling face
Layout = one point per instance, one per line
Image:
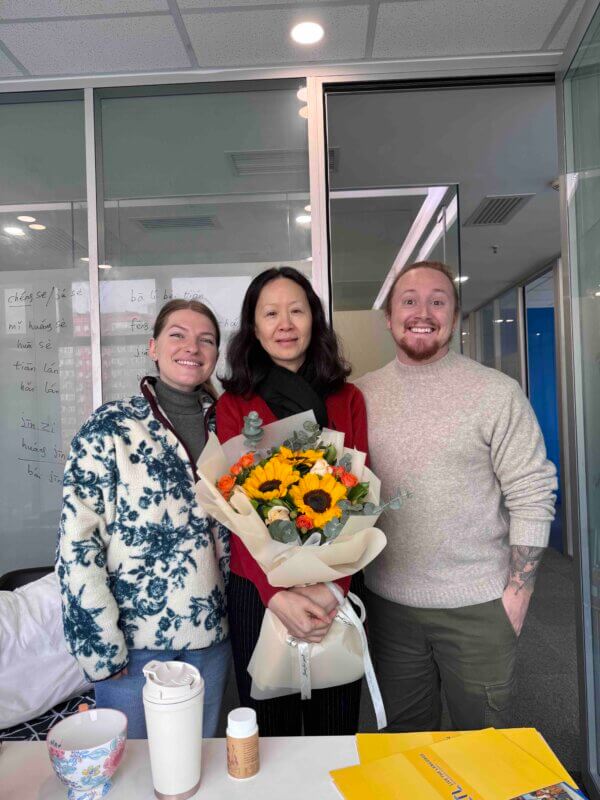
(283, 322)
(185, 351)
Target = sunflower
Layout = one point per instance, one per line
(317, 497)
(270, 481)
(299, 457)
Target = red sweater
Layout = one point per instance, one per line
(346, 411)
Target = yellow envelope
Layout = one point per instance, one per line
(479, 765)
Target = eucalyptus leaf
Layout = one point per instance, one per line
(345, 505)
(370, 508)
(346, 462)
(332, 529)
(282, 530)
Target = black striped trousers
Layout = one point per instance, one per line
(329, 712)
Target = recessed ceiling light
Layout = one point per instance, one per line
(303, 111)
(307, 33)
(596, 294)
(36, 226)
(302, 94)
(104, 266)
(461, 278)
(84, 258)
(14, 231)
(26, 219)
(303, 219)
(307, 209)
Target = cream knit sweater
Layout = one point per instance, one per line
(463, 439)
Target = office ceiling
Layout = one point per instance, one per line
(55, 38)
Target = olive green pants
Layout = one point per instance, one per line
(469, 652)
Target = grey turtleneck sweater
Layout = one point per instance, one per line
(184, 412)
(463, 439)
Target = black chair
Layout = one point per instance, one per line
(20, 577)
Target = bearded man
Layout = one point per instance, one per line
(448, 596)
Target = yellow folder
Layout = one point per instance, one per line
(479, 765)
(372, 746)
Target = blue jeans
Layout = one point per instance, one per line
(125, 693)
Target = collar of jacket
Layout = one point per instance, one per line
(147, 387)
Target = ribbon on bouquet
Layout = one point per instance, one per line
(347, 616)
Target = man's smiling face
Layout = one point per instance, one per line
(423, 316)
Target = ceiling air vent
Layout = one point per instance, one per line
(276, 162)
(498, 209)
(203, 223)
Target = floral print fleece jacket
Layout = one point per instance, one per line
(141, 566)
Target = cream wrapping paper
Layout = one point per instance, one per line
(339, 657)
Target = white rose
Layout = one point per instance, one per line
(321, 467)
(277, 512)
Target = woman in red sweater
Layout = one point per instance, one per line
(286, 359)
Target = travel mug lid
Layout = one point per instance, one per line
(171, 681)
(241, 722)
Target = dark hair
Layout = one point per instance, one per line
(248, 362)
(436, 265)
(179, 304)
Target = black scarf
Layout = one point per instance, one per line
(288, 393)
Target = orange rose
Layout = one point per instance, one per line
(236, 469)
(303, 522)
(338, 472)
(225, 485)
(246, 460)
(348, 479)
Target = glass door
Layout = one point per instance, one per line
(582, 127)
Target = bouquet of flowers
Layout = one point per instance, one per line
(305, 507)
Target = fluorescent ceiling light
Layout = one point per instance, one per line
(498, 321)
(303, 112)
(303, 219)
(307, 33)
(461, 279)
(26, 219)
(596, 294)
(302, 94)
(509, 320)
(435, 195)
(14, 231)
(36, 226)
(438, 231)
(310, 259)
(84, 258)
(307, 209)
(104, 266)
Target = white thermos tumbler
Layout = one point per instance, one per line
(173, 703)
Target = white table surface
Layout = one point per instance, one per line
(292, 768)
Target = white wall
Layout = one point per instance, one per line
(366, 340)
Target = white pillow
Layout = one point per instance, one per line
(36, 669)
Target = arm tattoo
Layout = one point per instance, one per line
(523, 567)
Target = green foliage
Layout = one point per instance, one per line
(284, 531)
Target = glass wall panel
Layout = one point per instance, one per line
(203, 188)
(542, 378)
(508, 322)
(45, 331)
(582, 123)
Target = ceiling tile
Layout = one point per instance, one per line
(187, 5)
(7, 68)
(559, 42)
(15, 9)
(442, 28)
(92, 46)
(248, 38)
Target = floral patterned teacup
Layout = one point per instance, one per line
(85, 750)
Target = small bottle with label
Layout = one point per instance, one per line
(242, 743)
